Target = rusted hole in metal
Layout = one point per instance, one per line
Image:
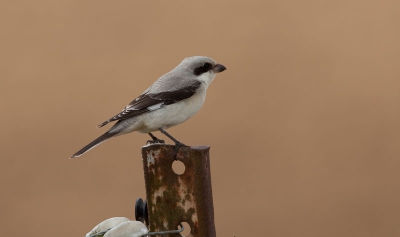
(186, 231)
(178, 167)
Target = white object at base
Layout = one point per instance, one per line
(120, 227)
(128, 229)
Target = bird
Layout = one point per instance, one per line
(169, 101)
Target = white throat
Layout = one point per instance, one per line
(206, 77)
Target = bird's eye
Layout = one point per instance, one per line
(207, 66)
(202, 69)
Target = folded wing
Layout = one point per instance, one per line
(152, 100)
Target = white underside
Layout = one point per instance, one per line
(169, 115)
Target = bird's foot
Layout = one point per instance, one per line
(154, 140)
(177, 146)
(157, 141)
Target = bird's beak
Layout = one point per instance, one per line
(219, 68)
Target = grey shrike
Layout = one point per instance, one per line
(172, 99)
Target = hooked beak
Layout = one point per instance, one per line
(219, 68)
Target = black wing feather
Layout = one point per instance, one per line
(140, 104)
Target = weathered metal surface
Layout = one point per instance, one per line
(173, 198)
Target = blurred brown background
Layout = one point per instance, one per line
(303, 126)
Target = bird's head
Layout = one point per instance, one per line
(204, 68)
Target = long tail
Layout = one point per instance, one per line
(94, 143)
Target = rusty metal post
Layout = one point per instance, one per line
(173, 198)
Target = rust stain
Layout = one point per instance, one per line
(173, 198)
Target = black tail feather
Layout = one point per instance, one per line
(94, 143)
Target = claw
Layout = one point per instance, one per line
(158, 141)
(178, 144)
(154, 140)
(176, 150)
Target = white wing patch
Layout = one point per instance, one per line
(156, 106)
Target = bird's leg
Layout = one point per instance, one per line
(178, 144)
(155, 139)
